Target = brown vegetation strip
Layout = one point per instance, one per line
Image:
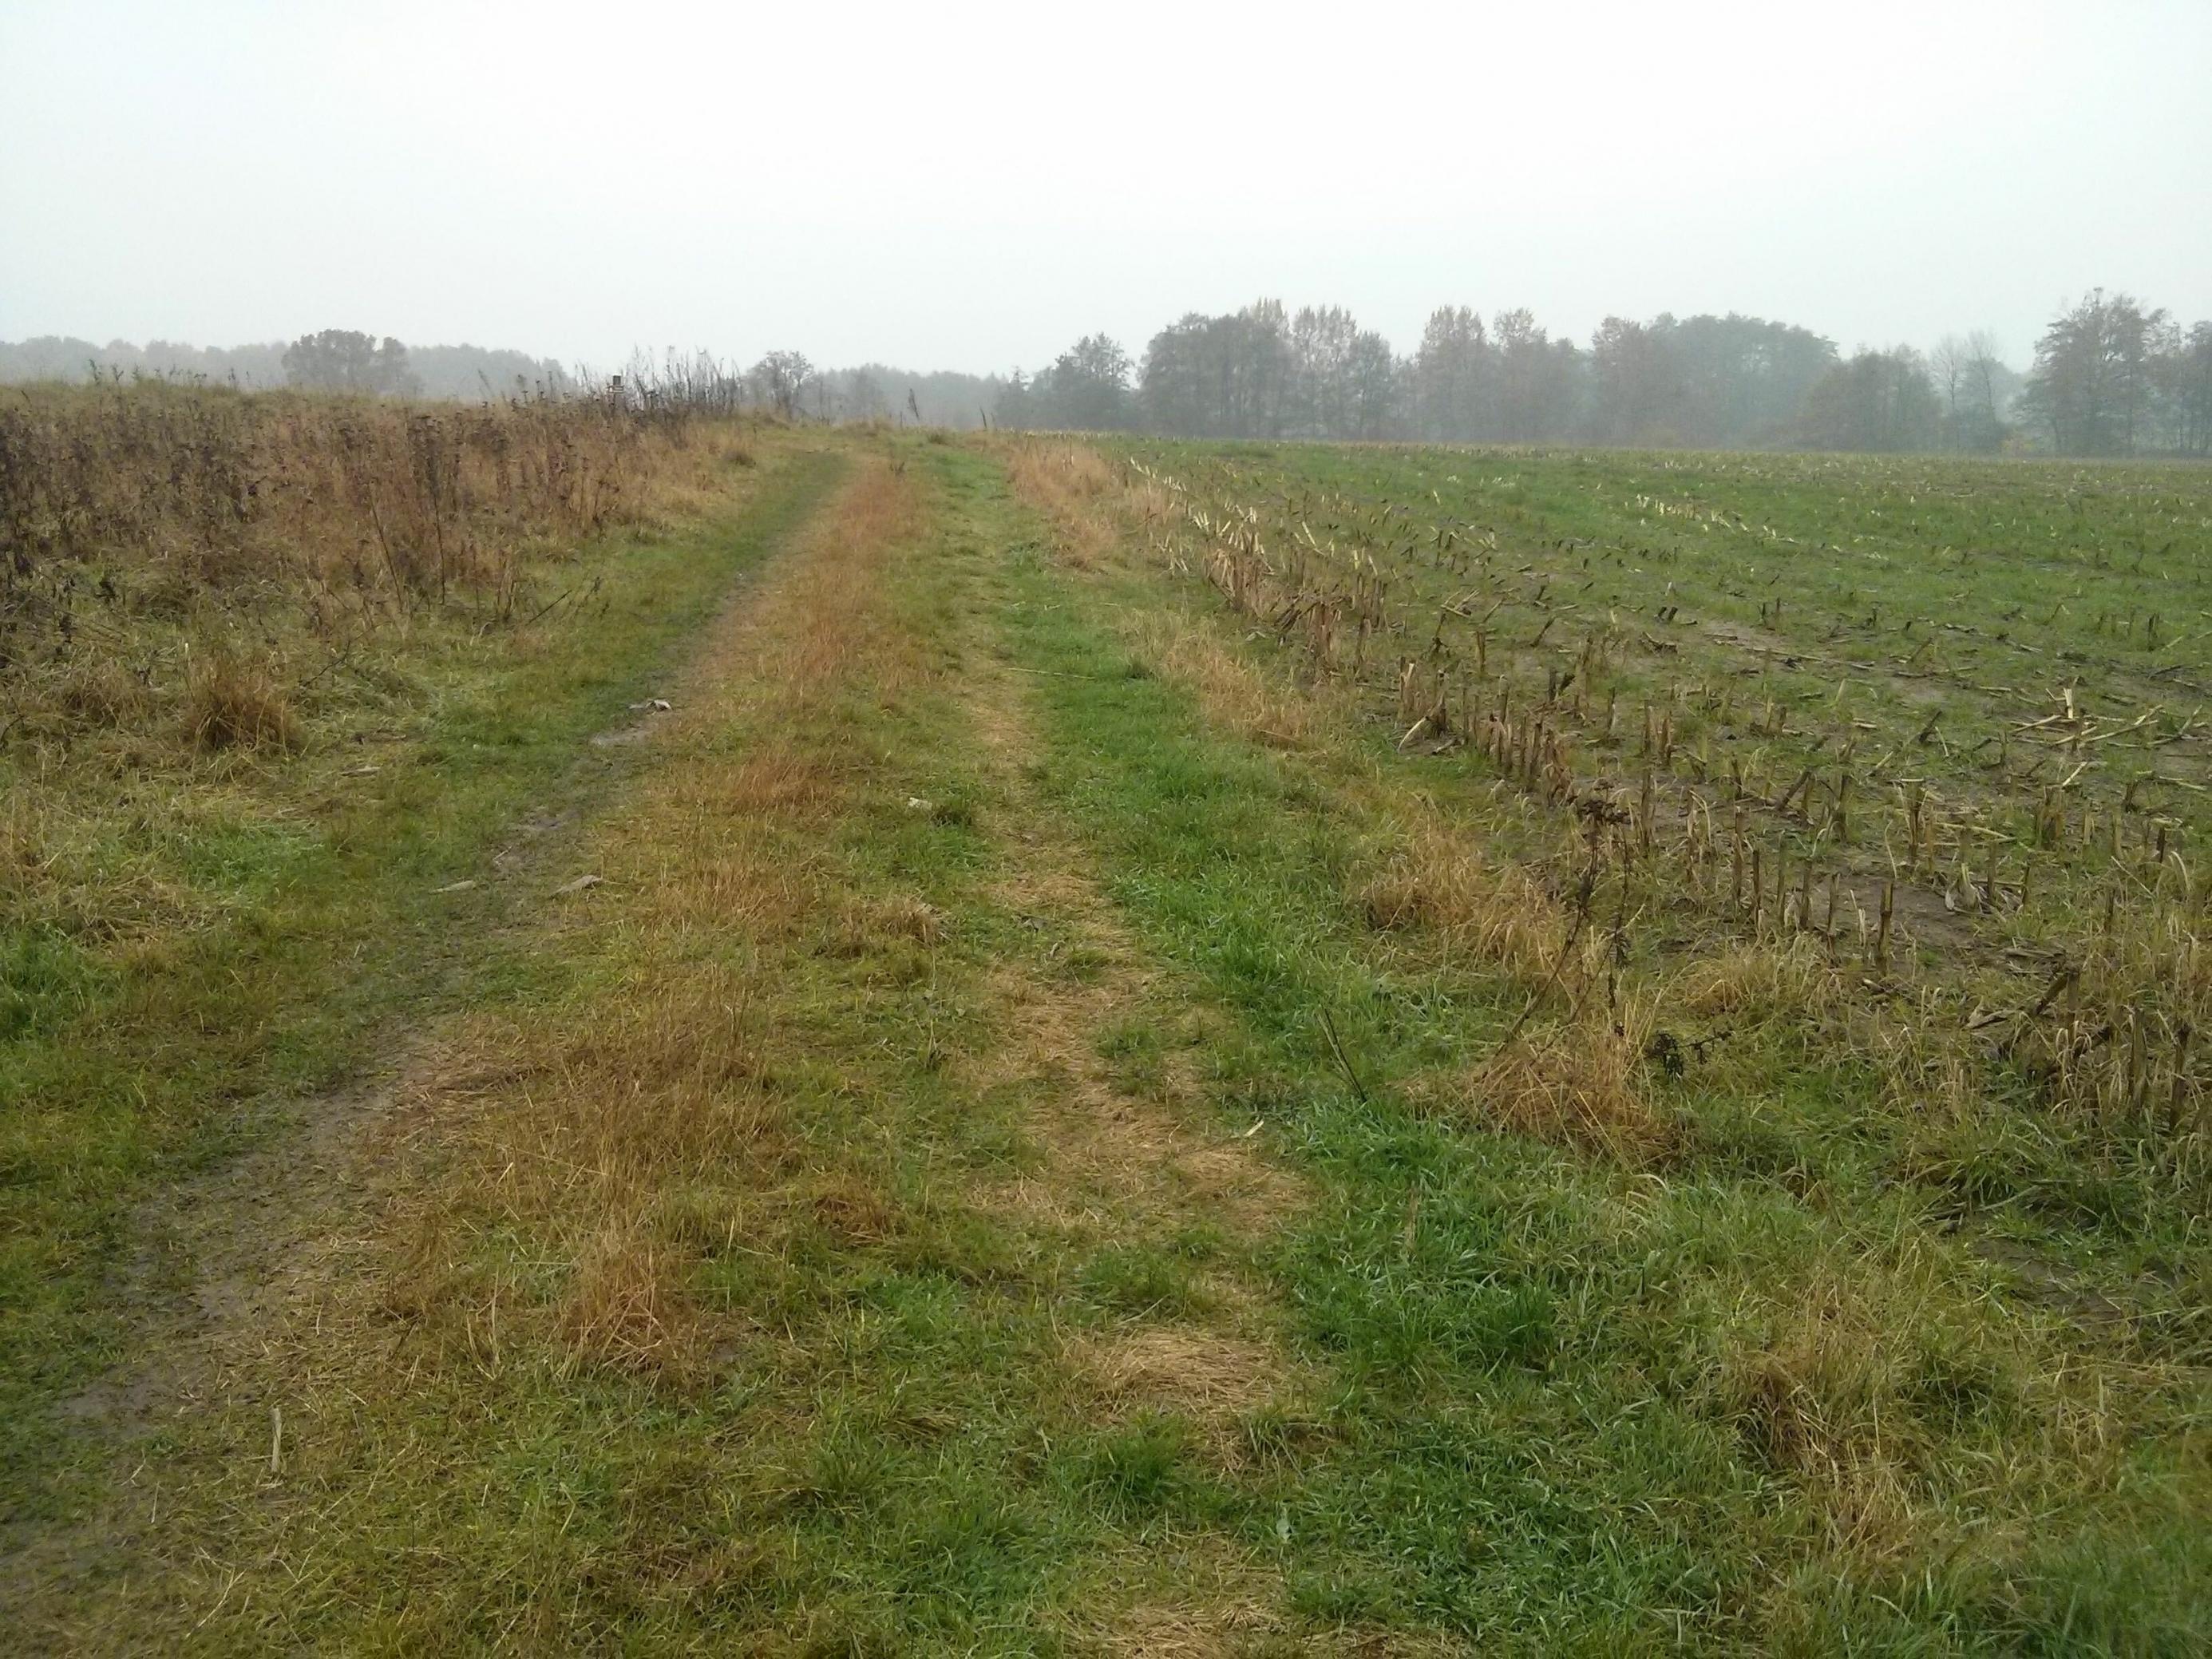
(586, 1126)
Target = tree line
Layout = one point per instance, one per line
(349, 361)
(333, 359)
(2110, 377)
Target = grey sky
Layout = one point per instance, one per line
(970, 187)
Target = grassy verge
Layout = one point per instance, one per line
(1722, 1378)
(198, 938)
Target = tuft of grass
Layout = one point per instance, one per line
(1791, 982)
(1578, 1084)
(237, 702)
(1437, 880)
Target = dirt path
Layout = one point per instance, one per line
(636, 1221)
(231, 1264)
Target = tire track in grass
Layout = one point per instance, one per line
(691, 1304)
(516, 1290)
(1129, 1153)
(1264, 1591)
(226, 1259)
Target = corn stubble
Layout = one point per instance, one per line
(1859, 872)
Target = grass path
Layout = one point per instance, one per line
(258, 930)
(735, 1121)
(976, 1160)
(192, 1115)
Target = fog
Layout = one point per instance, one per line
(972, 187)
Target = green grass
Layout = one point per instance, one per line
(1778, 1389)
(295, 919)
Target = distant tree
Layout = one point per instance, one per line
(1177, 388)
(1011, 407)
(1631, 383)
(1879, 400)
(1536, 378)
(1736, 382)
(2191, 389)
(473, 373)
(1948, 373)
(1343, 381)
(1990, 388)
(1087, 389)
(780, 381)
(1320, 346)
(1976, 389)
(1373, 382)
(342, 360)
(863, 398)
(2095, 385)
(1254, 369)
(1225, 376)
(461, 372)
(1452, 378)
(877, 391)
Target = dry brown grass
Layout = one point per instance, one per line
(1855, 1382)
(1095, 511)
(870, 923)
(238, 702)
(1088, 502)
(139, 520)
(99, 692)
(630, 1132)
(1204, 1373)
(571, 1132)
(1230, 1619)
(1822, 1402)
(1071, 482)
(1104, 1145)
(1579, 1082)
(1437, 878)
(1787, 980)
(222, 487)
(1208, 1599)
(1234, 694)
(1119, 1159)
(1810, 1400)
(1107, 1151)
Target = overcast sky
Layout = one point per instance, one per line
(971, 187)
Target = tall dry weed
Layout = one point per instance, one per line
(132, 517)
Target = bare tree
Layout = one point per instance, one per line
(1949, 370)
